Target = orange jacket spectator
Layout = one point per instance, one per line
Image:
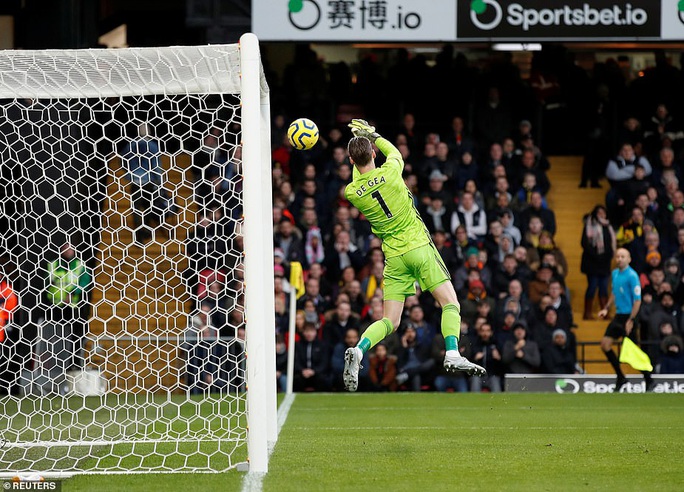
(8, 303)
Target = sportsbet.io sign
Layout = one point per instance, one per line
(569, 384)
(467, 20)
(568, 19)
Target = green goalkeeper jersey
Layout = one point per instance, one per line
(382, 196)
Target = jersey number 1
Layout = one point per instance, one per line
(376, 194)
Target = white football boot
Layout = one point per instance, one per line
(352, 365)
(458, 363)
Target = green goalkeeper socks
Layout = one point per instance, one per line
(374, 334)
(451, 326)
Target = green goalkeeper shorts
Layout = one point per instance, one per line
(423, 264)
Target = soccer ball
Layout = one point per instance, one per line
(302, 133)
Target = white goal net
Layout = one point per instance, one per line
(122, 315)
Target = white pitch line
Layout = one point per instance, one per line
(386, 427)
(253, 482)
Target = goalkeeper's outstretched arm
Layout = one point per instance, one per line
(392, 154)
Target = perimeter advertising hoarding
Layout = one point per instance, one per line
(467, 20)
(672, 20)
(354, 20)
(583, 383)
(529, 20)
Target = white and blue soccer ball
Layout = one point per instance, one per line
(302, 133)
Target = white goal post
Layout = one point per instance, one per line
(159, 387)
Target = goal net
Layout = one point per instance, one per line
(123, 227)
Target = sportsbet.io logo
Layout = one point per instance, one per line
(486, 14)
(304, 14)
(535, 17)
(567, 386)
(680, 11)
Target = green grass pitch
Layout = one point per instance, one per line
(432, 442)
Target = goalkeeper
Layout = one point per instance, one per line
(381, 195)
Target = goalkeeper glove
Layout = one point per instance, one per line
(361, 128)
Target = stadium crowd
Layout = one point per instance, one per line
(474, 139)
(479, 181)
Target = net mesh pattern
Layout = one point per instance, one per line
(121, 247)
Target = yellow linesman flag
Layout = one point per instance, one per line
(631, 354)
(297, 278)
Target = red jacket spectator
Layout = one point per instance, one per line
(8, 303)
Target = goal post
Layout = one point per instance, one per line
(258, 259)
(137, 242)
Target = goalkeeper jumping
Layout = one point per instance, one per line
(381, 195)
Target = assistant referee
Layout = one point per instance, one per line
(626, 294)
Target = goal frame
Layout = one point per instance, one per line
(257, 225)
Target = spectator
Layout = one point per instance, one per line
(620, 171)
(494, 119)
(68, 283)
(341, 255)
(506, 218)
(673, 275)
(335, 330)
(462, 244)
(477, 294)
(435, 214)
(515, 293)
(289, 242)
(313, 247)
(446, 381)
(598, 246)
(312, 362)
(631, 229)
(425, 332)
(520, 355)
(207, 245)
(414, 363)
(661, 126)
(501, 187)
(529, 165)
(663, 311)
(151, 203)
(383, 369)
(523, 197)
(437, 189)
(537, 208)
(457, 140)
(621, 168)
(281, 364)
(667, 166)
(467, 170)
(211, 360)
(539, 286)
(558, 358)
(473, 268)
(492, 241)
(471, 187)
(505, 274)
(212, 293)
(533, 233)
(471, 216)
(350, 339)
(8, 305)
(560, 303)
(672, 360)
(488, 355)
(444, 163)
